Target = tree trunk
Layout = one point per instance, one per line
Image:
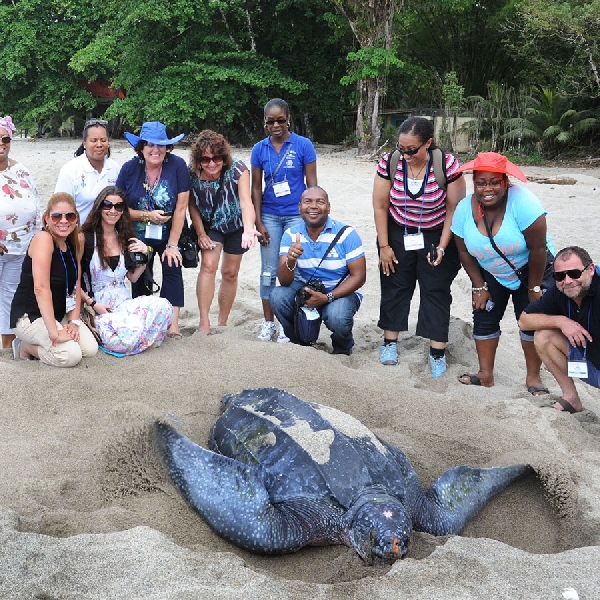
(368, 129)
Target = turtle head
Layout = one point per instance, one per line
(379, 527)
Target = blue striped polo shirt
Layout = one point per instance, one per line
(346, 250)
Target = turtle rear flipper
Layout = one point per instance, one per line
(459, 494)
(233, 499)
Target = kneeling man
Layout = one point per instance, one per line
(343, 271)
(566, 320)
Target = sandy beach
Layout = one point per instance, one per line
(87, 513)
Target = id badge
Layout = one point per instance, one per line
(414, 241)
(281, 189)
(153, 231)
(577, 368)
(70, 303)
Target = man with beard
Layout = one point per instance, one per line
(305, 256)
(566, 321)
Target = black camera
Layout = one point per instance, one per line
(135, 259)
(316, 285)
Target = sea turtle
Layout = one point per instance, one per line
(285, 473)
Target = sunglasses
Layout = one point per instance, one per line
(6, 139)
(95, 123)
(409, 152)
(107, 205)
(572, 273)
(481, 185)
(57, 217)
(206, 160)
(272, 122)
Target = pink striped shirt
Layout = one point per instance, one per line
(427, 210)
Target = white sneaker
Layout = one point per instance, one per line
(282, 338)
(267, 331)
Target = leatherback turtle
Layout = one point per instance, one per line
(285, 473)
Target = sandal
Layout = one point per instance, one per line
(473, 379)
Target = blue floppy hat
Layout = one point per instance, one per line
(155, 132)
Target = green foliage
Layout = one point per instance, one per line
(370, 63)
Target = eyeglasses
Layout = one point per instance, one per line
(206, 160)
(409, 152)
(57, 217)
(572, 273)
(481, 185)
(107, 205)
(280, 121)
(6, 139)
(95, 123)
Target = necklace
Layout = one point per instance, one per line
(150, 187)
(412, 173)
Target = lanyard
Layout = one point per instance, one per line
(406, 192)
(273, 173)
(588, 327)
(150, 188)
(65, 266)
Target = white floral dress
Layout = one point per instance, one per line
(135, 324)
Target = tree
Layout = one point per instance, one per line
(371, 24)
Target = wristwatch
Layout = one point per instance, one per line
(75, 322)
(536, 288)
(330, 297)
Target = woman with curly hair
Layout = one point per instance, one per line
(223, 217)
(126, 325)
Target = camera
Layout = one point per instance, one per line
(316, 285)
(135, 259)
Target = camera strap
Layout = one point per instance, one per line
(338, 235)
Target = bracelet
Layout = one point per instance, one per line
(173, 246)
(288, 266)
(483, 288)
(93, 304)
(382, 247)
(442, 250)
(145, 216)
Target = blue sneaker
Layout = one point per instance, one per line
(388, 354)
(438, 366)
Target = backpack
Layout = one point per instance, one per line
(439, 166)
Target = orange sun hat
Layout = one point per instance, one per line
(495, 163)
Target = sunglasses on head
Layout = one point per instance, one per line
(57, 217)
(572, 273)
(6, 139)
(107, 205)
(271, 122)
(95, 123)
(206, 160)
(409, 152)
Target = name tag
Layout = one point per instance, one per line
(414, 241)
(281, 189)
(153, 231)
(70, 303)
(577, 368)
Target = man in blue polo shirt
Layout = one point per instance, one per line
(343, 271)
(566, 321)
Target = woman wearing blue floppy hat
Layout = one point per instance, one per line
(157, 186)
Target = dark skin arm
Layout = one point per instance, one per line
(256, 192)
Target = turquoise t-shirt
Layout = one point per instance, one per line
(522, 209)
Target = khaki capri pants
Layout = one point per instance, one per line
(64, 354)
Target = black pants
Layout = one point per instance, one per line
(397, 288)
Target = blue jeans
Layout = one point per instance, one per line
(338, 316)
(269, 255)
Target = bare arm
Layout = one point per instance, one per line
(310, 174)
(455, 192)
(381, 207)
(257, 197)
(535, 237)
(356, 279)
(171, 253)
(573, 331)
(248, 214)
(471, 266)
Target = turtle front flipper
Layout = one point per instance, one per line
(458, 495)
(233, 499)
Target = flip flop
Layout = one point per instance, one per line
(473, 379)
(533, 390)
(567, 406)
(174, 335)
